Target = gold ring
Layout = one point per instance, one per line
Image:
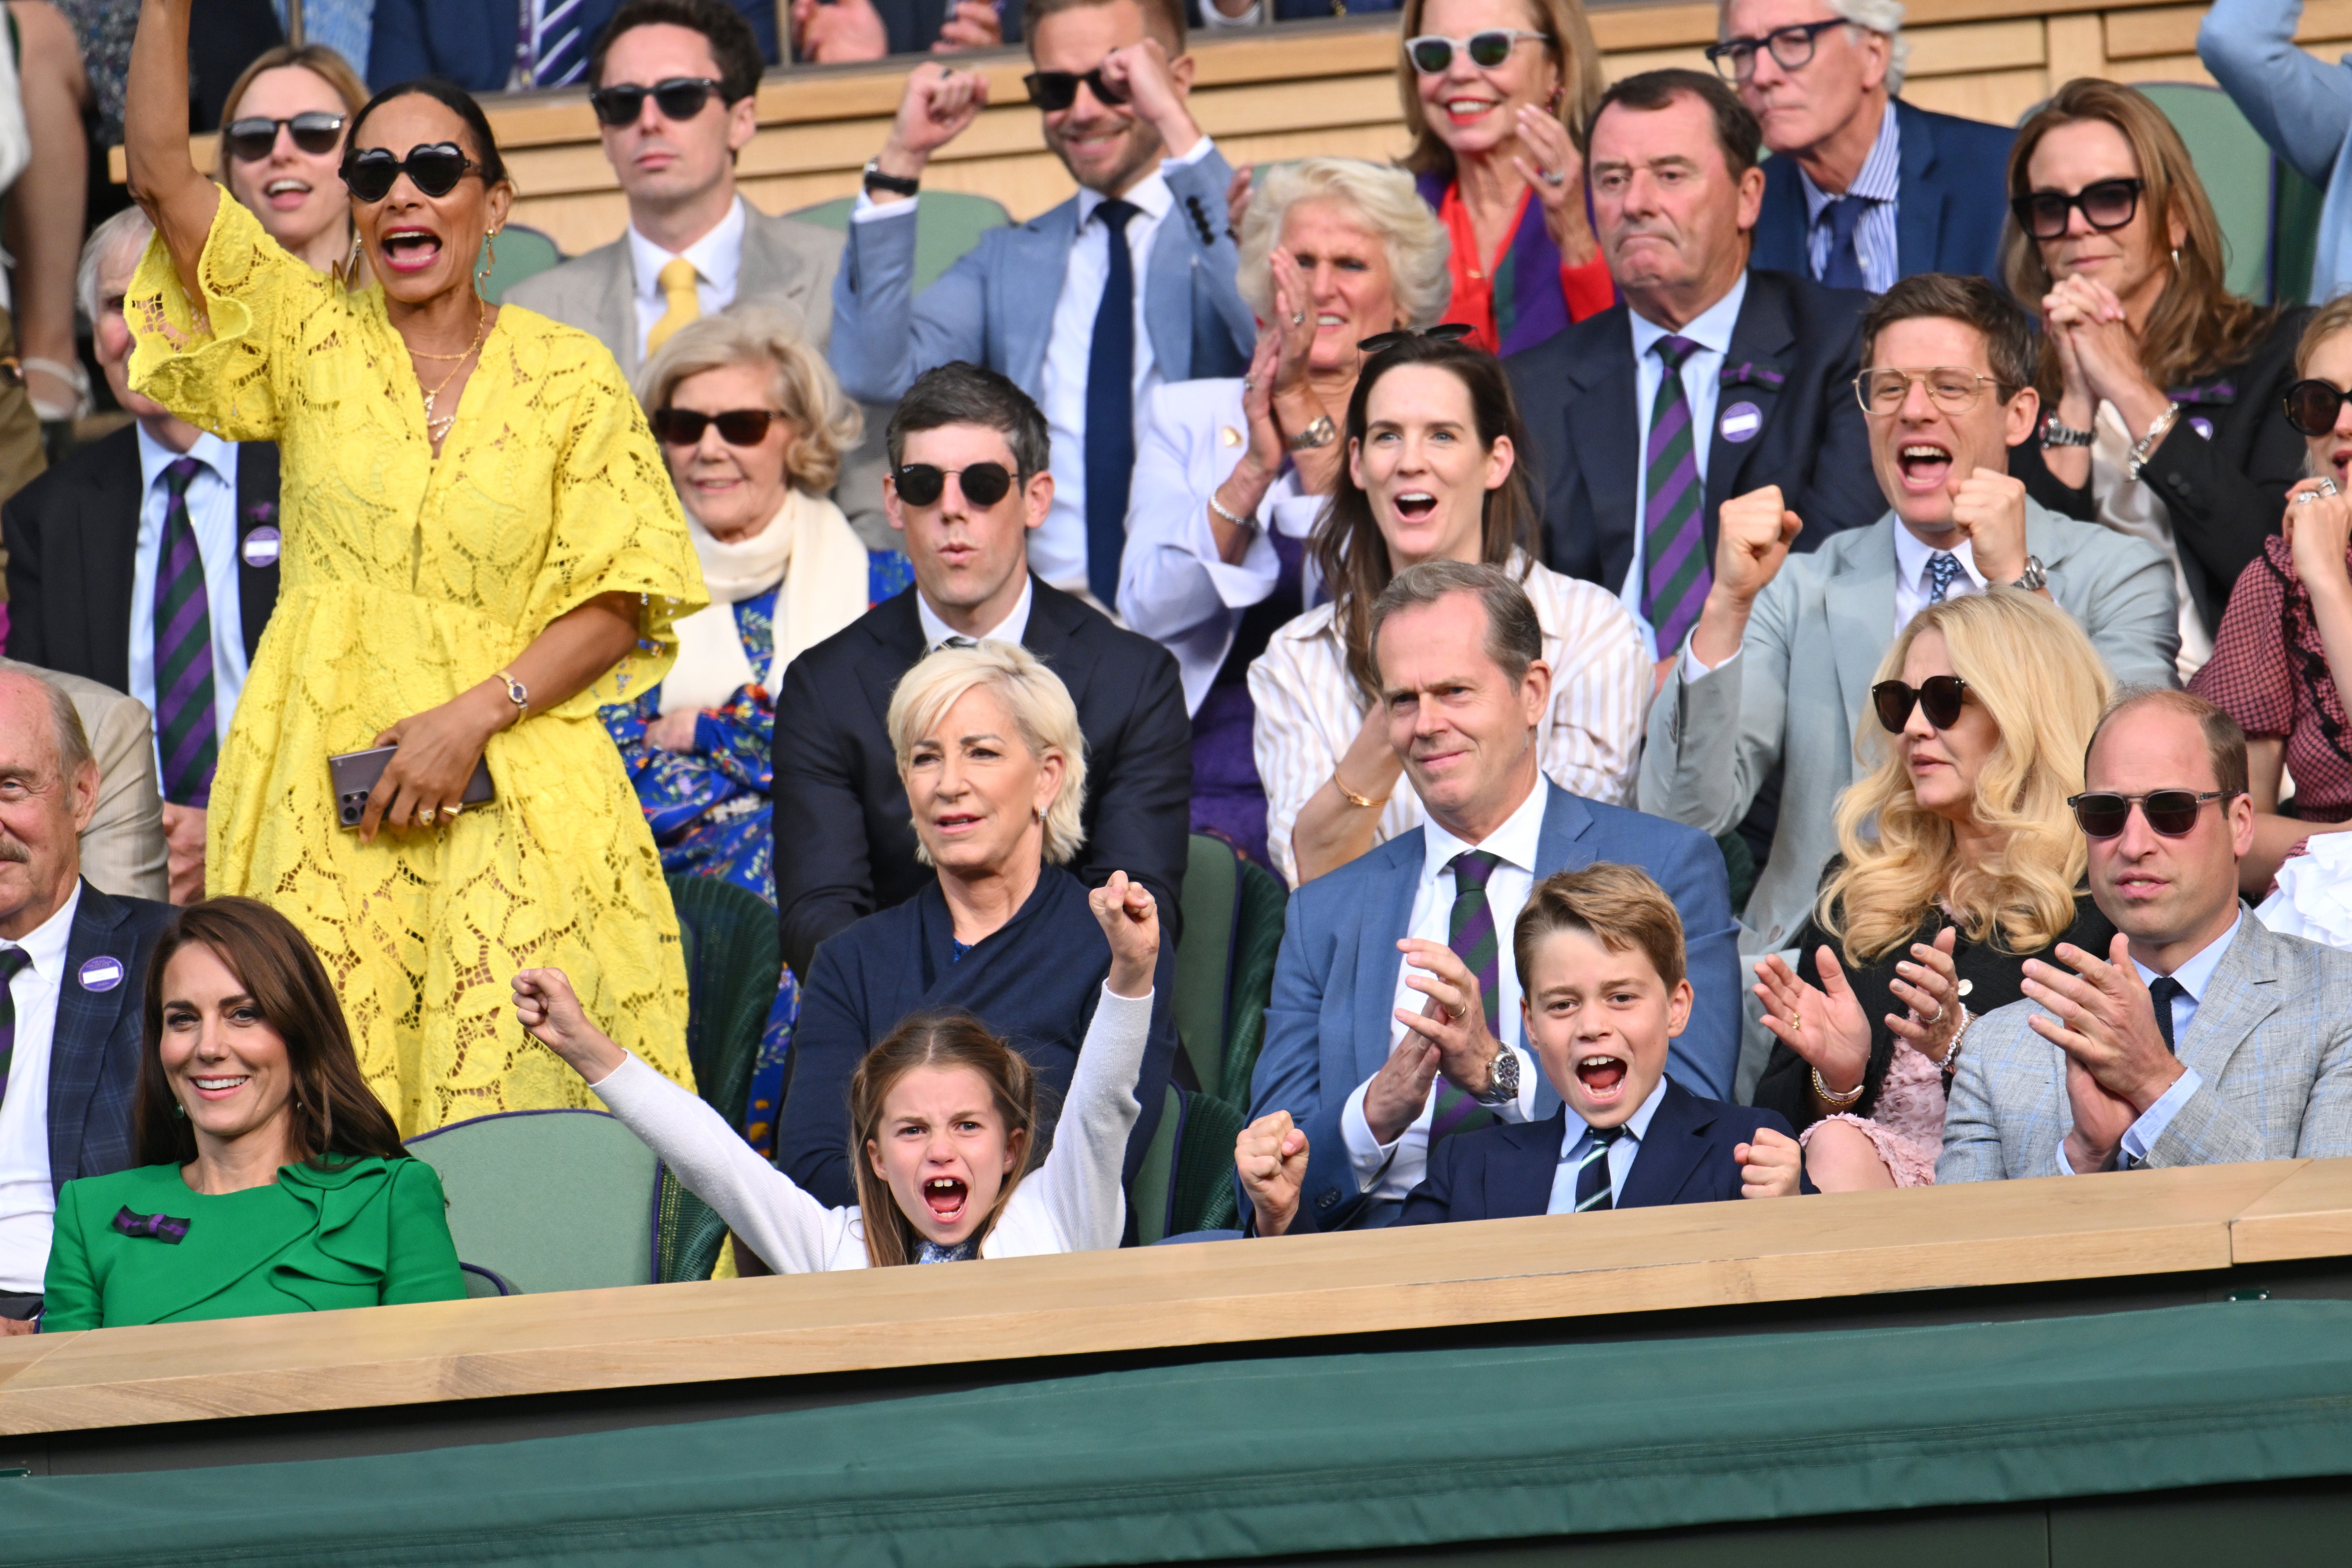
(451, 810)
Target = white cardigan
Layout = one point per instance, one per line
(1072, 1202)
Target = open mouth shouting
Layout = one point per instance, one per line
(1926, 465)
(286, 193)
(1415, 506)
(410, 247)
(945, 1196)
(1603, 1077)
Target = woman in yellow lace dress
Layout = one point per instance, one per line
(481, 547)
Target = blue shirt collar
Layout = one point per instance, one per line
(1881, 178)
(209, 450)
(2196, 973)
(1710, 329)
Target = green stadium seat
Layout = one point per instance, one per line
(734, 961)
(947, 225)
(548, 1200)
(523, 252)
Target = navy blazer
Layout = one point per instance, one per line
(472, 42)
(1504, 1170)
(1795, 351)
(94, 1052)
(1949, 212)
(1328, 1024)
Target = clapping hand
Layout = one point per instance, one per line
(1557, 176)
(1453, 1018)
(2103, 1018)
(1929, 985)
(1824, 1024)
(1270, 1161)
(552, 1014)
(1130, 918)
(1771, 1167)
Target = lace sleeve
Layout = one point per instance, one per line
(618, 530)
(220, 362)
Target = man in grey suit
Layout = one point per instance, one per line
(1086, 327)
(1778, 670)
(2202, 1037)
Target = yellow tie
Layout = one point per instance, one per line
(678, 288)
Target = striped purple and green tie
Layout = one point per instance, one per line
(1470, 933)
(1675, 573)
(185, 730)
(13, 963)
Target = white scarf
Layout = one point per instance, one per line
(809, 547)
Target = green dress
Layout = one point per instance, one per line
(368, 1234)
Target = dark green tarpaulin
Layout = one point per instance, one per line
(1303, 1455)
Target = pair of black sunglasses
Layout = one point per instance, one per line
(922, 484)
(737, 427)
(2102, 814)
(1055, 92)
(1938, 697)
(2312, 407)
(678, 96)
(434, 170)
(315, 131)
(2106, 204)
(1443, 332)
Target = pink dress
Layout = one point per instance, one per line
(1907, 1129)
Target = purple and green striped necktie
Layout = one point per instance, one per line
(1675, 575)
(185, 730)
(1470, 933)
(12, 962)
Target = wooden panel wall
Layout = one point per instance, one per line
(1330, 88)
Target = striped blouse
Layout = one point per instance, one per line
(1309, 710)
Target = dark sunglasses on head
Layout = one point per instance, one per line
(1432, 53)
(1938, 698)
(1055, 92)
(737, 427)
(2106, 204)
(2312, 407)
(922, 484)
(1443, 332)
(435, 170)
(250, 141)
(1791, 49)
(2102, 814)
(678, 96)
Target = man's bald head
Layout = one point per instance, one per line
(48, 792)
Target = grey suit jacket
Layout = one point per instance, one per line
(122, 849)
(2272, 1038)
(1800, 685)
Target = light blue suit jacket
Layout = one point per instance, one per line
(996, 306)
(1328, 1025)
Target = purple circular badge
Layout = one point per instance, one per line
(260, 547)
(1740, 422)
(101, 973)
(2202, 426)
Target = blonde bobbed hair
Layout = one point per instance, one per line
(1382, 200)
(2044, 686)
(1033, 697)
(825, 423)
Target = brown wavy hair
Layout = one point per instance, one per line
(933, 1040)
(336, 1117)
(2198, 326)
(1347, 549)
(1567, 39)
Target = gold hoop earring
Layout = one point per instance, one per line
(489, 263)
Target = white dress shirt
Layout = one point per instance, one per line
(26, 1201)
(1913, 581)
(1702, 380)
(1393, 1170)
(212, 512)
(1881, 183)
(2194, 975)
(1578, 1140)
(1011, 628)
(717, 259)
(1590, 743)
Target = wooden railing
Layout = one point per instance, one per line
(1325, 86)
(1880, 1246)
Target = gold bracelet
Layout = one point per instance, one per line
(1361, 802)
(1848, 1098)
(516, 693)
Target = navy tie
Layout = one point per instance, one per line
(1110, 408)
(2161, 991)
(1592, 1177)
(1942, 567)
(1842, 267)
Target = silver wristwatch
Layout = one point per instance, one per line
(1502, 1079)
(1320, 432)
(2057, 433)
(2034, 578)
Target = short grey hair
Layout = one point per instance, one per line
(1514, 635)
(72, 741)
(1035, 701)
(825, 422)
(1883, 17)
(1383, 200)
(129, 227)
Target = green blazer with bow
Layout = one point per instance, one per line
(369, 1233)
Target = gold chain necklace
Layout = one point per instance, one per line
(436, 428)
